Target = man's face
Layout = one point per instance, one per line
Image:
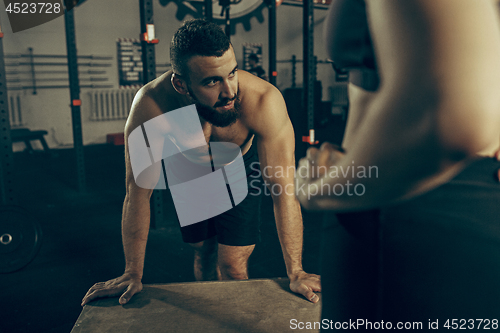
(214, 87)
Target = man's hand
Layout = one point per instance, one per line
(305, 284)
(313, 167)
(125, 284)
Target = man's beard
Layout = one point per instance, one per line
(218, 118)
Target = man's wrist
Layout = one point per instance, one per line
(134, 273)
(295, 273)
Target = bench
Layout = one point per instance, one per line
(25, 135)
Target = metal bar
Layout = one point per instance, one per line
(32, 71)
(308, 68)
(74, 83)
(272, 42)
(56, 72)
(89, 86)
(294, 71)
(12, 109)
(228, 22)
(316, 6)
(19, 113)
(148, 49)
(149, 74)
(56, 56)
(91, 79)
(315, 69)
(7, 194)
(209, 14)
(329, 62)
(88, 64)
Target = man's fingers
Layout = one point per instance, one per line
(322, 159)
(307, 293)
(328, 146)
(314, 286)
(91, 294)
(311, 153)
(314, 298)
(101, 290)
(314, 282)
(331, 147)
(101, 293)
(127, 295)
(303, 168)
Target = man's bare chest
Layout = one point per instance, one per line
(236, 134)
(195, 145)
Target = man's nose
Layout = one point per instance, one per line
(228, 91)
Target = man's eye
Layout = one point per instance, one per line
(211, 83)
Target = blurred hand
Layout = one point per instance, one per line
(314, 166)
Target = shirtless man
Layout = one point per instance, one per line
(233, 106)
(424, 110)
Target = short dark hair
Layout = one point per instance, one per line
(196, 38)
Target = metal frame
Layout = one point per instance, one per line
(7, 196)
(271, 4)
(298, 4)
(226, 7)
(309, 63)
(149, 70)
(74, 83)
(209, 14)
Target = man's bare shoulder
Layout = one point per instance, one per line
(261, 102)
(154, 99)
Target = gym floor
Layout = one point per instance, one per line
(82, 240)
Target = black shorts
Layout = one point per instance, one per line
(436, 256)
(239, 226)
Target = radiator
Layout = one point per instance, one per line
(15, 111)
(111, 104)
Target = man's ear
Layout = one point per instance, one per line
(179, 84)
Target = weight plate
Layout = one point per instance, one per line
(20, 238)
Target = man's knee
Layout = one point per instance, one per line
(205, 249)
(233, 261)
(233, 270)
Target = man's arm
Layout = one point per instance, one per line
(135, 218)
(437, 106)
(276, 145)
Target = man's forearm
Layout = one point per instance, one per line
(290, 230)
(135, 229)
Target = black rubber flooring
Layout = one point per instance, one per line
(82, 241)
